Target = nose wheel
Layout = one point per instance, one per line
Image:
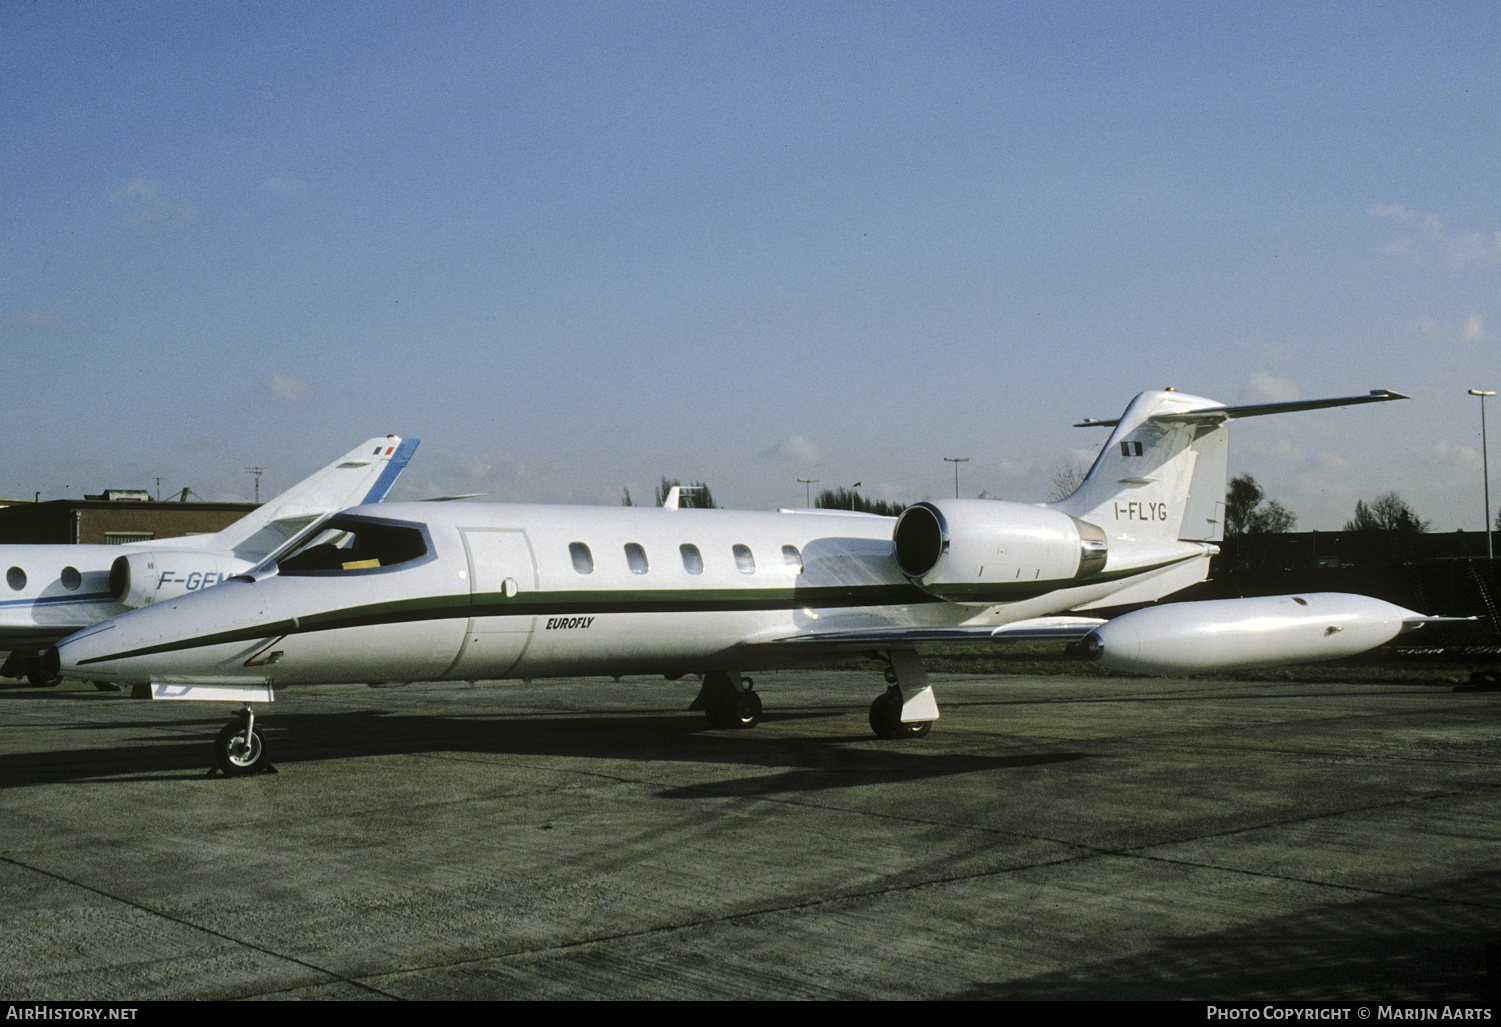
(240, 748)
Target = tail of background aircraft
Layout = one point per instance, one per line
(1162, 474)
(363, 475)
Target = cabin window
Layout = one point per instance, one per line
(16, 578)
(583, 560)
(352, 544)
(744, 560)
(635, 558)
(792, 558)
(71, 579)
(693, 560)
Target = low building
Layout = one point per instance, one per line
(113, 521)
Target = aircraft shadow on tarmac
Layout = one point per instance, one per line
(165, 749)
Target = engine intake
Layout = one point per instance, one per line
(140, 579)
(984, 551)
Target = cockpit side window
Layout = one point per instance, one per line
(343, 546)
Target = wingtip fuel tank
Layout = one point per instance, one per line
(1225, 634)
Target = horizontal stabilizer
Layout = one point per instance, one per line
(1220, 413)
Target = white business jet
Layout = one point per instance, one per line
(413, 592)
(51, 591)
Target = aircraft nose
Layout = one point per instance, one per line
(67, 655)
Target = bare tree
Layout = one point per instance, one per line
(695, 496)
(1389, 513)
(850, 499)
(1065, 478)
(1244, 514)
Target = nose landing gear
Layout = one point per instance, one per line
(240, 748)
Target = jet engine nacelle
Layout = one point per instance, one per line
(975, 550)
(140, 579)
(1187, 638)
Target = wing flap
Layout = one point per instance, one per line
(1062, 629)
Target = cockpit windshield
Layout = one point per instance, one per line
(346, 544)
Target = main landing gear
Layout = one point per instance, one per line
(886, 717)
(727, 700)
(905, 710)
(31, 666)
(241, 749)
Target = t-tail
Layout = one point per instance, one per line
(1162, 475)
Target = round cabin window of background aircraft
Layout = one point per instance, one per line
(16, 578)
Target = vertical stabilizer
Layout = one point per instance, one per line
(1141, 482)
(1163, 473)
(363, 475)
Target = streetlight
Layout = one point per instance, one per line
(956, 461)
(1485, 471)
(808, 484)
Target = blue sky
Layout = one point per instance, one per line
(576, 247)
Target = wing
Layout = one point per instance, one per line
(1058, 629)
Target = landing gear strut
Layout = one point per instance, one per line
(907, 695)
(241, 749)
(725, 705)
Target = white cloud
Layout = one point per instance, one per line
(37, 321)
(1472, 332)
(794, 449)
(286, 187)
(144, 204)
(1445, 452)
(1266, 388)
(286, 387)
(1429, 237)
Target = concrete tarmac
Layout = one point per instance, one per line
(1052, 838)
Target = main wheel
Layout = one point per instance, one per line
(735, 710)
(236, 754)
(886, 718)
(39, 677)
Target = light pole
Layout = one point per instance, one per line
(956, 461)
(1485, 471)
(808, 484)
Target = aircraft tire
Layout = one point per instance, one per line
(234, 756)
(735, 710)
(39, 678)
(886, 718)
